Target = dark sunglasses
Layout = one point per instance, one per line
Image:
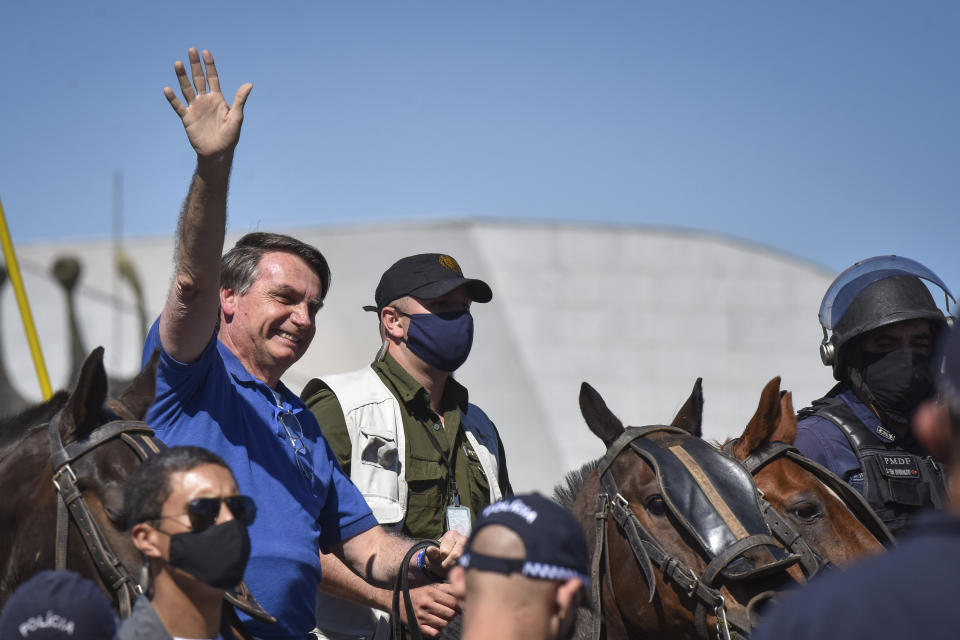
(203, 512)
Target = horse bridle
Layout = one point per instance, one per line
(648, 551)
(139, 437)
(812, 561)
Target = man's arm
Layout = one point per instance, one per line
(190, 313)
(375, 556)
(435, 604)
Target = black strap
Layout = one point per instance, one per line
(402, 586)
(450, 461)
(505, 566)
(599, 551)
(70, 502)
(855, 502)
(811, 560)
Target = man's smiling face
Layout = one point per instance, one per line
(270, 326)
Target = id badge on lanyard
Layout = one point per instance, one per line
(458, 517)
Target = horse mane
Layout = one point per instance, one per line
(570, 487)
(13, 427)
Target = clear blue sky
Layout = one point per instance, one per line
(827, 130)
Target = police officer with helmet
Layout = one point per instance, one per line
(880, 325)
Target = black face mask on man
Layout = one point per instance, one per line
(216, 556)
(895, 383)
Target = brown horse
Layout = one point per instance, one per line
(829, 515)
(679, 542)
(94, 445)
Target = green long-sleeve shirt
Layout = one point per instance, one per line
(426, 472)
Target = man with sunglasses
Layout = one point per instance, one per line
(231, 327)
(188, 520)
(424, 457)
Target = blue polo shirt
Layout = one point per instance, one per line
(216, 404)
(910, 592)
(822, 441)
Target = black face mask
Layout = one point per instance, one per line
(217, 555)
(898, 381)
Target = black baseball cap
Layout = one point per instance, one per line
(426, 275)
(554, 542)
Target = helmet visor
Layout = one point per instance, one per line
(861, 275)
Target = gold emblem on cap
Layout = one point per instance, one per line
(449, 263)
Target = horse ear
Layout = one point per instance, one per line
(82, 412)
(786, 430)
(600, 419)
(138, 396)
(763, 423)
(690, 416)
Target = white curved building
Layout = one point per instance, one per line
(637, 312)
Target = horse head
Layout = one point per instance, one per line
(829, 515)
(679, 541)
(94, 462)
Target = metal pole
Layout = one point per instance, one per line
(24, 305)
(117, 338)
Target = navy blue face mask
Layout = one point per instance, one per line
(442, 340)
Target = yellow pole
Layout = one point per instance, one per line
(21, 293)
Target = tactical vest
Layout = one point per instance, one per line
(896, 483)
(377, 467)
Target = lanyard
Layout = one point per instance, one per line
(450, 461)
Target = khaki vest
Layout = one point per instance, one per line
(377, 467)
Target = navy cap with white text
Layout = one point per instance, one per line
(555, 545)
(57, 604)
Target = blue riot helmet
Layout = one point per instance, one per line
(873, 293)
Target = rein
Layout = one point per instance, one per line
(401, 588)
(851, 498)
(648, 551)
(138, 436)
(810, 559)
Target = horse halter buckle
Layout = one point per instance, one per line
(72, 477)
(621, 501)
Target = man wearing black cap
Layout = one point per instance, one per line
(910, 592)
(523, 572)
(424, 458)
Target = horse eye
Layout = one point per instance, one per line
(656, 506)
(806, 511)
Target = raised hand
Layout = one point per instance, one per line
(212, 127)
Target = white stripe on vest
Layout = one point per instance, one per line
(377, 467)
(378, 443)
